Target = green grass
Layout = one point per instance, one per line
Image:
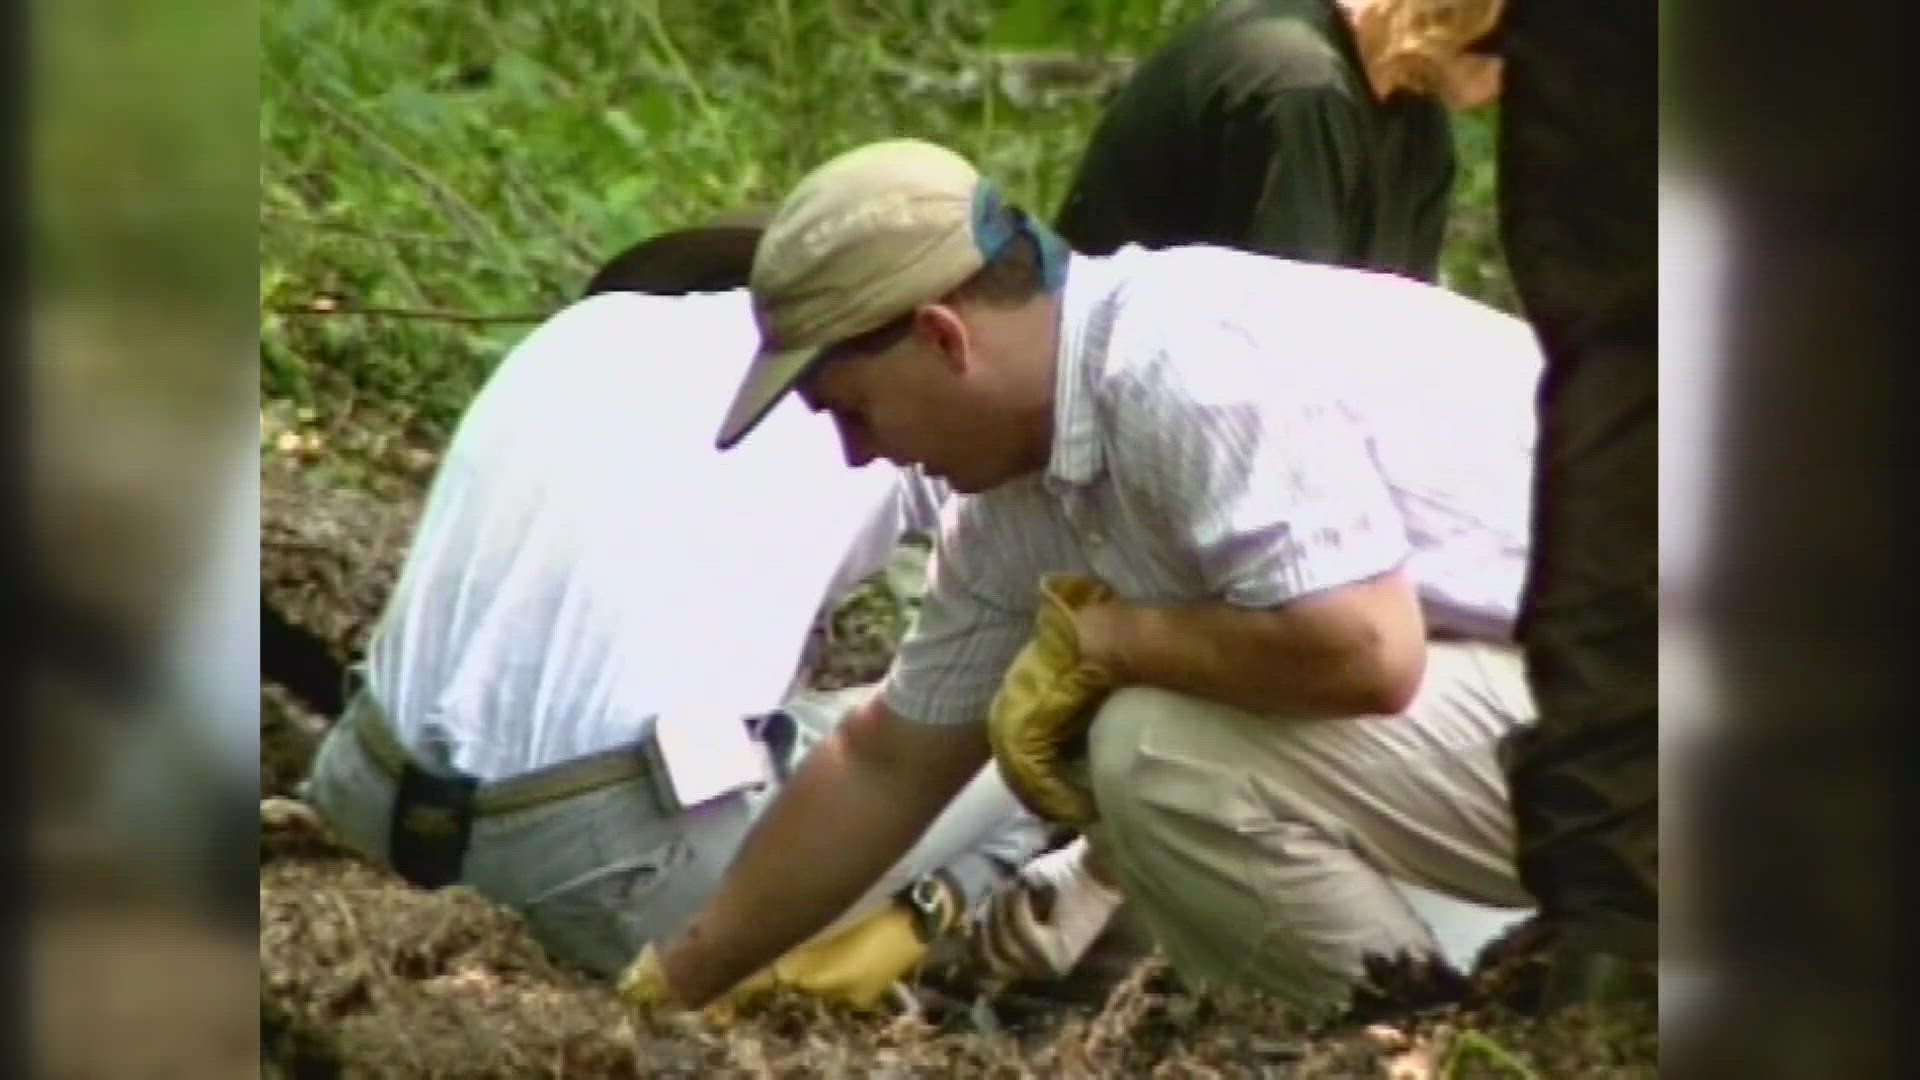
(483, 157)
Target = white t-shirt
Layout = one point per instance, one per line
(587, 559)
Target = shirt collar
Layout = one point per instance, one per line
(1086, 318)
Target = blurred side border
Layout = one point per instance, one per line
(14, 779)
(1784, 117)
(134, 808)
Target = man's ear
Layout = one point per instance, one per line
(942, 327)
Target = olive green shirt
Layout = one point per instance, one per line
(1255, 128)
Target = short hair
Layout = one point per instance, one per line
(1009, 279)
(714, 257)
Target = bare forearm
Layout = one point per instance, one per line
(840, 822)
(1309, 659)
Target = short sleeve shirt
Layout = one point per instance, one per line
(586, 560)
(1250, 430)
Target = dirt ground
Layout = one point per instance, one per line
(364, 976)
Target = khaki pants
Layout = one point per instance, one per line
(1271, 852)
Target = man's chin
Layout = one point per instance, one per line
(975, 483)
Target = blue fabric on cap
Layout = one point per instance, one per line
(995, 224)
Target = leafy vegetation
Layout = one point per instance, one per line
(483, 157)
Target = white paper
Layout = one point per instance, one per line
(707, 756)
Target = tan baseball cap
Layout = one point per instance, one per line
(860, 241)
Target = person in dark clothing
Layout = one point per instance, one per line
(1254, 128)
(1577, 173)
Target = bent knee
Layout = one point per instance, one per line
(1116, 736)
(1165, 762)
(1153, 752)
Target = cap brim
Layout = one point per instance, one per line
(768, 380)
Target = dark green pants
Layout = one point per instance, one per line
(1577, 174)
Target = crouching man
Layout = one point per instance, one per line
(1228, 583)
(590, 678)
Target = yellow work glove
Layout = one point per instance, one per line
(858, 964)
(855, 965)
(1047, 700)
(644, 983)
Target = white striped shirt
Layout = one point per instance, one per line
(1247, 429)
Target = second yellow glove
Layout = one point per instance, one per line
(1047, 700)
(858, 964)
(855, 965)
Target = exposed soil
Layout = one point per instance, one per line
(329, 554)
(364, 976)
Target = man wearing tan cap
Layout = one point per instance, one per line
(1228, 586)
